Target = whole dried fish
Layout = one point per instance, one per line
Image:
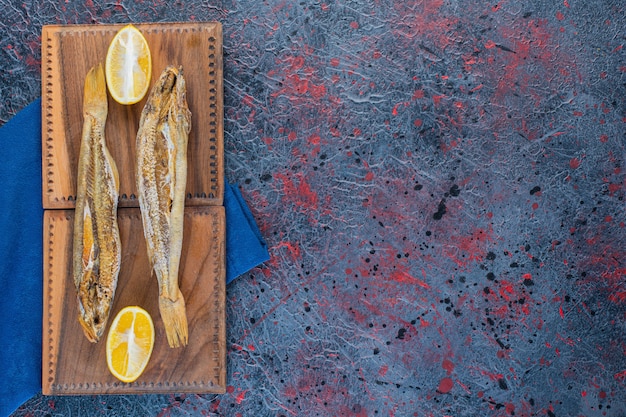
(97, 247)
(161, 174)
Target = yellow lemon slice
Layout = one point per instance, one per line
(129, 343)
(128, 66)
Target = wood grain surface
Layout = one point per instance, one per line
(73, 365)
(68, 52)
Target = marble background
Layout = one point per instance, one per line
(441, 184)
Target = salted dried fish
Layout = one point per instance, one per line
(161, 174)
(97, 246)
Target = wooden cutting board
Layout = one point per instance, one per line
(71, 364)
(68, 52)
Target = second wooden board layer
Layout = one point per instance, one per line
(73, 365)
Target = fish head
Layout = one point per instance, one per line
(93, 320)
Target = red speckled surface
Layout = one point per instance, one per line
(441, 184)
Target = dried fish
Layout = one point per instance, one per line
(97, 246)
(161, 174)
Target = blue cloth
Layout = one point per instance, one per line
(245, 247)
(21, 252)
(21, 263)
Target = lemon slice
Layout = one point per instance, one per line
(128, 66)
(129, 343)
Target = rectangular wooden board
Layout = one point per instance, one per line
(73, 365)
(69, 51)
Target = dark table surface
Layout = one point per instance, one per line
(441, 184)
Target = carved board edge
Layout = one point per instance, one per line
(50, 336)
(50, 102)
(219, 295)
(216, 115)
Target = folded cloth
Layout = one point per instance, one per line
(21, 253)
(21, 258)
(245, 247)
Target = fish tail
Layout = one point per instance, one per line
(95, 93)
(174, 318)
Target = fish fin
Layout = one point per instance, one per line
(89, 245)
(174, 318)
(114, 171)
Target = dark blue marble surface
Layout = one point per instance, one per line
(441, 184)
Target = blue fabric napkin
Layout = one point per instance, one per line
(21, 252)
(245, 247)
(21, 263)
